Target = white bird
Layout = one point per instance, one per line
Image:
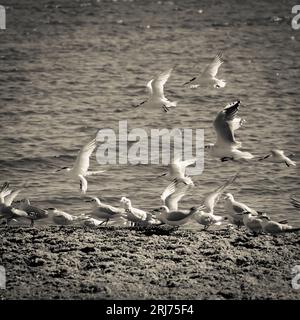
(177, 170)
(225, 124)
(157, 97)
(236, 209)
(105, 211)
(92, 222)
(175, 218)
(252, 223)
(208, 76)
(81, 166)
(61, 217)
(33, 213)
(207, 217)
(278, 156)
(173, 194)
(133, 214)
(274, 227)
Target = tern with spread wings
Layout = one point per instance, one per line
(81, 166)
(208, 76)
(157, 97)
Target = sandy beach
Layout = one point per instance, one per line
(157, 263)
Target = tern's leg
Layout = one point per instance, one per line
(165, 108)
(106, 222)
(138, 105)
(83, 183)
(189, 81)
(265, 157)
(32, 223)
(102, 222)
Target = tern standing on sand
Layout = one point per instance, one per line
(252, 223)
(81, 166)
(236, 210)
(157, 97)
(105, 211)
(61, 218)
(133, 214)
(274, 227)
(33, 213)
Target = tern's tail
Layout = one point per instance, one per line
(220, 83)
(171, 104)
(290, 162)
(291, 230)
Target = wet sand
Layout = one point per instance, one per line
(162, 263)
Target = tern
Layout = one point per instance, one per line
(81, 166)
(61, 217)
(253, 223)
(236, 209)
(227, 147)
(207, 217)
(173, 194)
(157, 97)
(33, 213)
(177, 170)
(175, 218)
(274, 227)
(133, 214)
(278, 156)
(105, 211)
(208, 76)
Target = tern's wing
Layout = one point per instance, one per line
(240, 208)
(4, 191)
(188, 162)
(177, 168)
(159, 82)
(173, 194)
(111, 210)
(213, 197)
(11, 197)
(149, 87)
(212, 69)
(83, 159)
(225, 124)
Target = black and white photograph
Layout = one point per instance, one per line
(149, 152)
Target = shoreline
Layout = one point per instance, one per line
(73, 262)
